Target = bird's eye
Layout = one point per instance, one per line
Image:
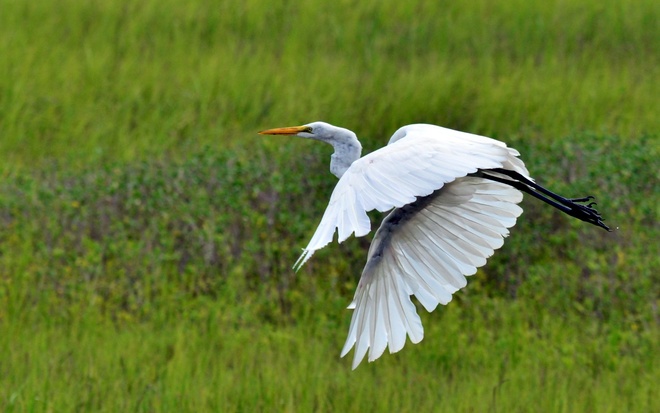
(309, 129)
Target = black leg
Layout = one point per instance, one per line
(572, 207)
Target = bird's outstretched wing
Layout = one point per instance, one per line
(418, 160)
(426, 249)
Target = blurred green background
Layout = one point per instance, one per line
(147, 233)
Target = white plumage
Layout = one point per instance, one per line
(426, 249)
(453, 194)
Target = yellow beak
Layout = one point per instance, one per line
(290, 130)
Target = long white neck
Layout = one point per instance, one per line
(347, 151)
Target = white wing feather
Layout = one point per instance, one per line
(418, 160)
(426, 249)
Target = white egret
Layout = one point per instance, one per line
(454, 196)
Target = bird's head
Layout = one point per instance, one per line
(346, 145)
(320, 131)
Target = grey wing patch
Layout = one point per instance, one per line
(426, 249)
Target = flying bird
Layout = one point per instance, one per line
(453, 197)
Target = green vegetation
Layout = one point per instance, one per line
(147, 233)
(105, 80)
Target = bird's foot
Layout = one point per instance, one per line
(585, 212)
(584, 199)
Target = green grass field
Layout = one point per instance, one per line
(147, 232)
